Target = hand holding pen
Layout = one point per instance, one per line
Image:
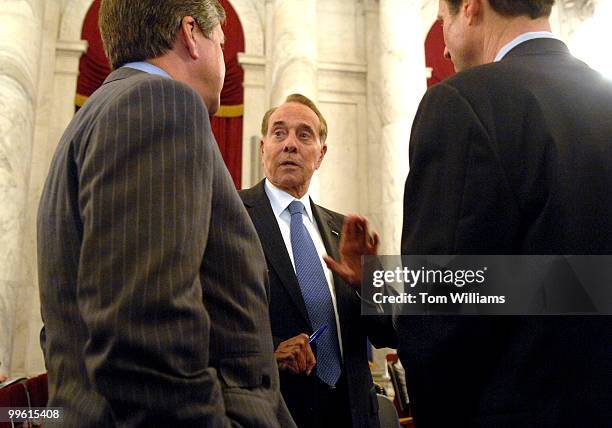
(295, 355)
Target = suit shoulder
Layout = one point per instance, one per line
(495, 80)
(495, 71)
(483, 89)
(248, 196)
(333, 214)
(245, 195)
(245, 192)
(145, 88)
(165, 90)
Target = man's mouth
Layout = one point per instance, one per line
(289, 163)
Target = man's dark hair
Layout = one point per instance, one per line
(532, 8)
(139, 30)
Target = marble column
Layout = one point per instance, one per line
(20, 41)
(58, 69)
(294, 49)
(402, 84)
(294, 61)
(373, 203)
(255, 107)
(373, 193)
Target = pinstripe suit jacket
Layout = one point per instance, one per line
(152, 278)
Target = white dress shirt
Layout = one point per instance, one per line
(280, 200)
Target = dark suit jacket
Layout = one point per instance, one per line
(152, 278)
(513, 157)
(289, 316)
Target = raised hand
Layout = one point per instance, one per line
(355, 241)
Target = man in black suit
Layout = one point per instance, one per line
(512, 155)
(330, 385)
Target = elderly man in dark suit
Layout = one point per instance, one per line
(152, 278)
(512, 155)
(326, 383)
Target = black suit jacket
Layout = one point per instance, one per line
(513, 157)
(152, 278)
(289, 316)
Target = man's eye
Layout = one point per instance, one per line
(305, 135)
(279, 133)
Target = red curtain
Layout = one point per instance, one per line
(226, 124)
(93, 66)
(434, 55)
(228, 132)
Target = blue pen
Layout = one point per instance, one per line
(314, 336)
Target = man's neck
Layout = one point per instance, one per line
(503, 30)
(297, 192)
(165, 64)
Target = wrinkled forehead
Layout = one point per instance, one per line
(294, 114)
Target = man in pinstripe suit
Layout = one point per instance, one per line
(152, 278)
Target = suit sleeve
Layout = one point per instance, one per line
(457, 199)
(380, 330)
(145, 201)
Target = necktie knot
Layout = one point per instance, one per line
(296, 207)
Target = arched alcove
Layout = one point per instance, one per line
(251, 16)
(440, 67)
(72, 18)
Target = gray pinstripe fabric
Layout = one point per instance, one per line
(152, 278)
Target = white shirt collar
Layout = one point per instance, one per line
(147, 67)
(523, 38)
(280, 200)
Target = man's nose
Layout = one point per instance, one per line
(290, 143)
(447, 54)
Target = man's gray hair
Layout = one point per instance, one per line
(136, 30)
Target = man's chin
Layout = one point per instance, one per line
(288, 183)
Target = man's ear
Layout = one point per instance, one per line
(323, 151)
(472, 10)
(188, 29)
(261, 144)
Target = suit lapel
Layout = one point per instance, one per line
(330, 229)
(261, 213)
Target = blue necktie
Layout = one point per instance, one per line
(317, 297)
